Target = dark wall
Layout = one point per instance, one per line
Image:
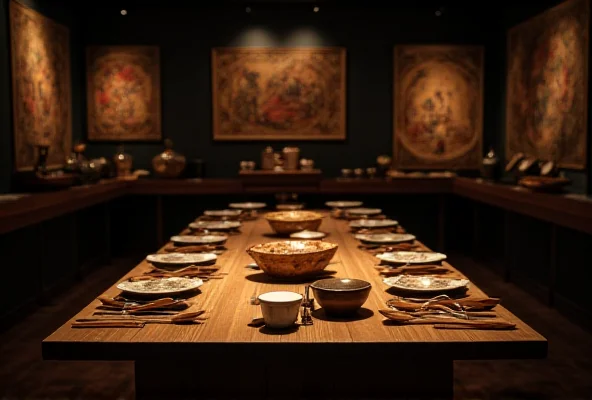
(5, 101)
(62, 12)
(186, 34)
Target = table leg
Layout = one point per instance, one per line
(286, 377)
(441, 222)
(159, 222)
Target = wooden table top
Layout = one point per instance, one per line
(227, 303)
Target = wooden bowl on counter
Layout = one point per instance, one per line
(293, 259)
(286, 222)
(341, 296)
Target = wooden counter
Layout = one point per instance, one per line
(35, 208)
(224, 357)
(568, 210)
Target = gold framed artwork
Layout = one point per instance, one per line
(41, 98)
(438, 107)
(123, 93)
(547, 86)
(278, 93)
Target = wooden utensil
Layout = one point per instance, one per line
(467, 304)
(448, 322)
(109, 324)
(184, 318)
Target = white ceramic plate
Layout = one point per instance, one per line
(215, 225)
(411, 257)
(417, 283)
(205, 239)
(179, 259)
(247, 206)
(164, 286)
(387, 238)
(364, 211)
(373, 223)
(308, 235)
(222, 213)
(343, 204)
(289, 207)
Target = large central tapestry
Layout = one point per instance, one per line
(438, 101)
(547, 86)
(40, 52)
(273, 93)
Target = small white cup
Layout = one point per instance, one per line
(280, 309)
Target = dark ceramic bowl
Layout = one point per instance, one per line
(341, 296)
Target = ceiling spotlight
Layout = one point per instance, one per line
(248, 9)
(316, 9)
(123, 12)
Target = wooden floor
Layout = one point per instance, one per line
(565, 374)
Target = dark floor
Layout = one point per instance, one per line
(565, 374)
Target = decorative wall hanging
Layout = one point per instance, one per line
(42, 109)
(278, 93)
(123, 93)
(547, 86)
(438, 107)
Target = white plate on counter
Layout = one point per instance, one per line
(215, 225)
(415, 283)
(343, 204)
(187, 240)
(411, 257)
(385, 238)
(247, 206)
(163, 286)
(364, 211)
(223, 213)
(180, 259)
(308, 235)
(373, 223)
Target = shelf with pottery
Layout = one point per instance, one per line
(227, 340)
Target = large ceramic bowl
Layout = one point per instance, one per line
(341, 296)
(286, 222)
(293, 258)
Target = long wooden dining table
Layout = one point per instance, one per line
(359, 357)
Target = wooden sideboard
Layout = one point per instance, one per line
(570, 211)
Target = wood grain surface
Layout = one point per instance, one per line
(227, 304)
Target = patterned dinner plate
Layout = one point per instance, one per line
(247, 206)
(385, 238)
(343, 204)
(411, 257)
(215, 225)
(188, 240)
(163, 286)
(222, 213)
(180, 259)
(364, 211)
(416, 283)
(373, 223)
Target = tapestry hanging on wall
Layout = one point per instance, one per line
(40, 56)
(278, 93)
(547, 86)
(438, 107)
(123, 93)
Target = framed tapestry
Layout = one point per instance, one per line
(438, 107)
(123, 93)
(547, 86)
(41, 98)
(278, 93)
